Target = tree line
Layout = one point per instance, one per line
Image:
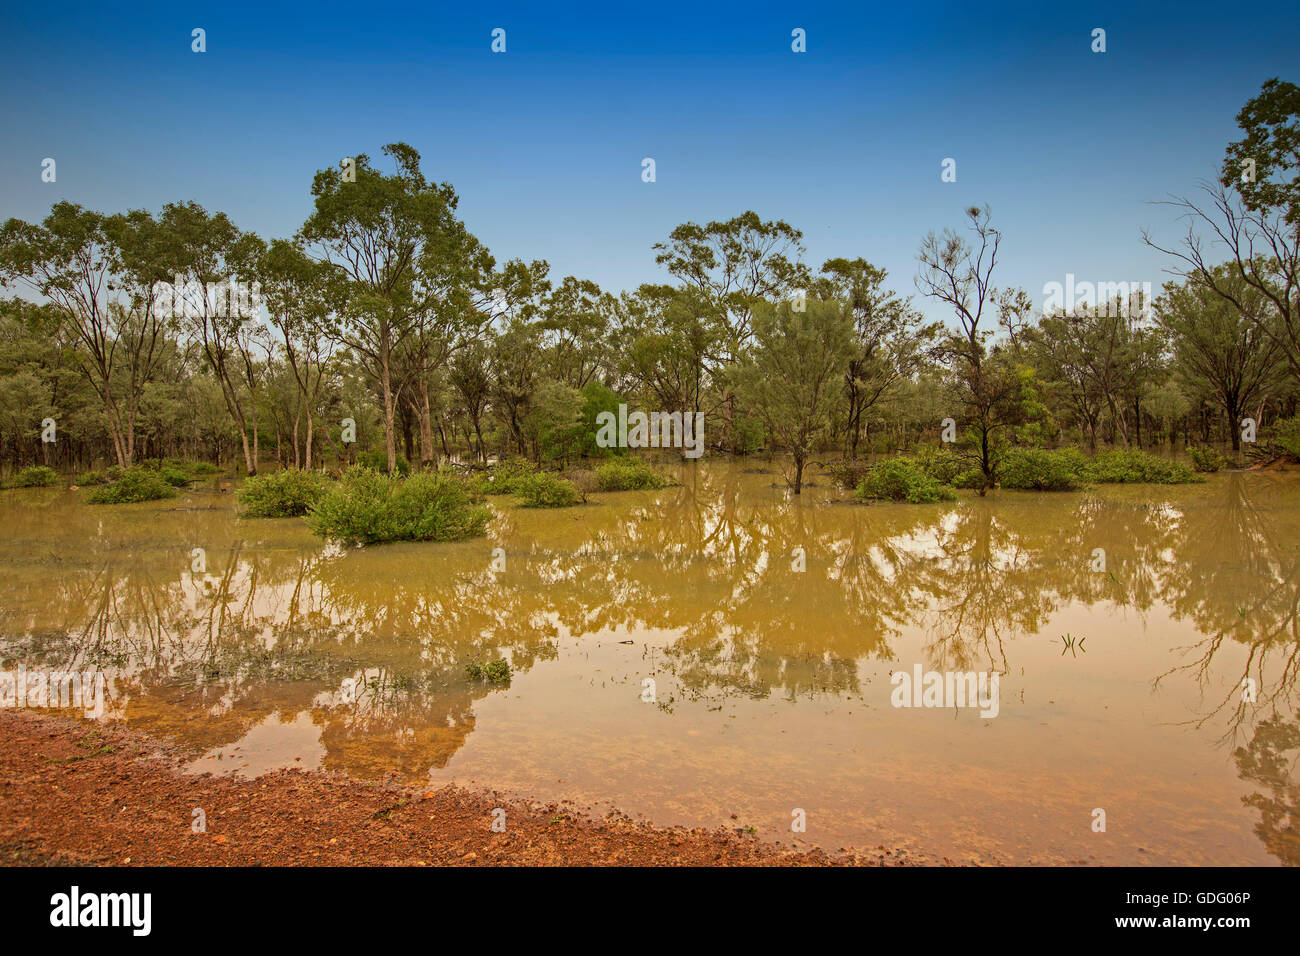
(386, 312)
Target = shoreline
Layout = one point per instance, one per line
(77, 794)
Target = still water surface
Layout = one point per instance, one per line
(1120, 690)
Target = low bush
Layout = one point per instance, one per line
(1038, 469)
(494, 672)
(36, 477)
(90, 478)
(504, 477)
(902, 479)
(1133, 466)
(545, 490)
(366, 507)
(135, 484)
(282, 494)
(628, 474)
(1206, 459)
(847, 472)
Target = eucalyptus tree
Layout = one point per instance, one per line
(97, 274)
(730, 267)
(793, 378)
(212, 262)
(408, 270)
(1253, 211)
(959, 273)
(1219, 350)
(297, 293)
(890, 339)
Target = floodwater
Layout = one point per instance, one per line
(1126, 690)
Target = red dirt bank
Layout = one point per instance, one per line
(75, 793)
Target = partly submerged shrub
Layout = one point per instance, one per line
(902, 479)
(1133, 466)
(135, 484)
(847, 472)
(1206, 459)
(503, 478)
(545, 490)
(1038, 469)
(628, 474)
(494, 672)
(89, 478)
(283, 494)
(36, 477)
(366, 507)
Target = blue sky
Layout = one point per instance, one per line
(544, 142)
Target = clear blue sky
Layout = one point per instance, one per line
(544, 143)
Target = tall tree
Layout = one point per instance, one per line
(410, 270)
(794, 376)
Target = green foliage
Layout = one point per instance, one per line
(545, 490)
(176, 477)
(135, 484)
(902, 479)
(1206, 459)
(502, 478)
(1285, 434)
(847, 472)
(90, 478)
(597, 398)
(378, 461)
(283, 494)
(1038, 469)
(494, 672)
(628, 474)
(1132, 466)
(366, 507)
(37, 477)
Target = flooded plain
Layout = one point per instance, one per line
(720, 653)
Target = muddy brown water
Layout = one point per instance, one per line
(1120, 690)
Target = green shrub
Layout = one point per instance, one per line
(504, 477)
(88, 478)
(1132, 466)
(902, 479)
(628, 474)
(847, 472)
(366, 507)
(941, 464)
(545, 490)
(203, 469)
(494, 672)
(1038, 469)
(36, 477)
(135, 484)
(378, 461)
(1206, 459)
(174, 476)
(283, 494)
